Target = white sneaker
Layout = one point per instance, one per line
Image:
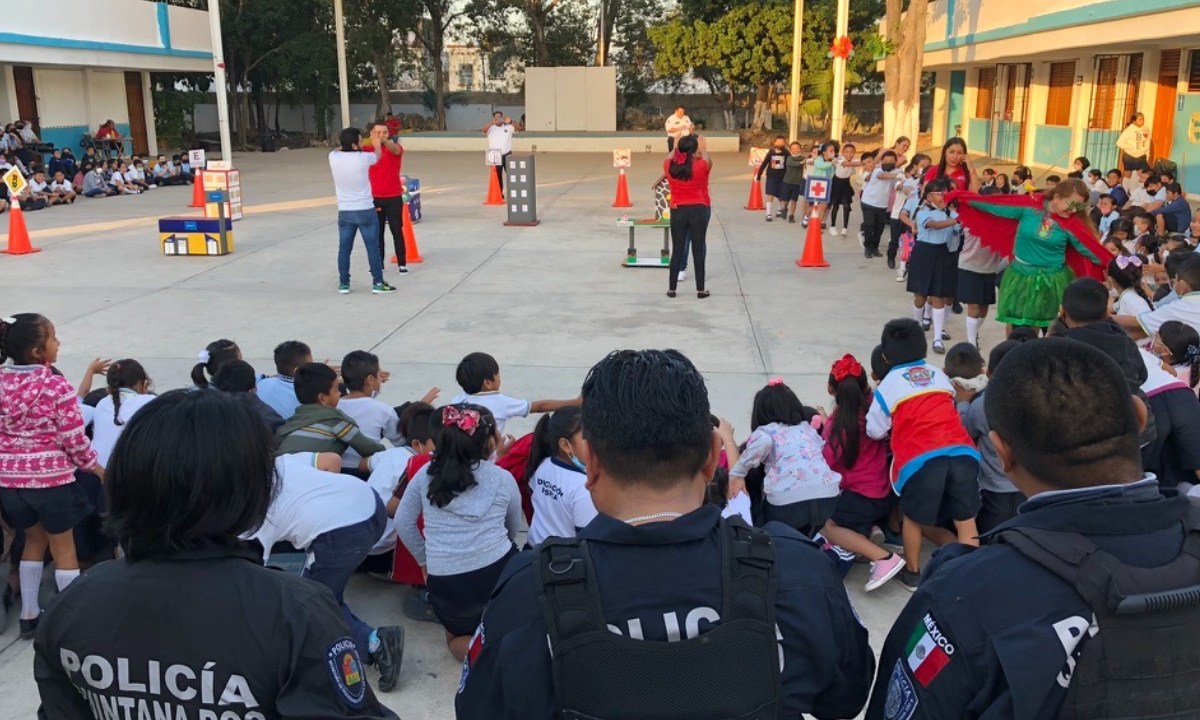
(900, 276)
(884, 570)
(681, 276)
(845, 232)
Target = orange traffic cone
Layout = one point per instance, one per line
(495, 195)
(18, 235)
(622, 200)
(412, 253)
(814, 250)
(756, 201)
(198, 190)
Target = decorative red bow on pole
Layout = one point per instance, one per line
(842, 48)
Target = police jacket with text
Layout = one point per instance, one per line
(205, 635)
(991, 634)
(662, 581)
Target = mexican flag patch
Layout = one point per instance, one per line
(928, 651)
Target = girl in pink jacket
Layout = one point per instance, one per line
(42, 442)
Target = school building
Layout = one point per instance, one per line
(1042, 83)
(69, 65)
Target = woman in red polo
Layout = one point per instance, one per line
(687, 171)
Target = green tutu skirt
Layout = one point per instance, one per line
(1031, 295)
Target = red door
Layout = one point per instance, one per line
(137, 112)
(26, 96)
(1162, 130)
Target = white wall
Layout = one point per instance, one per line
(131, 22)
(60, 97)
(106, 94)
(461, 118)
(189, 29)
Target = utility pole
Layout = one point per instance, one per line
(214, 28)
(339, 21)
(838, 110)
(794, 100)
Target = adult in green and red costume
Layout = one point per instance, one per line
(1050, 240)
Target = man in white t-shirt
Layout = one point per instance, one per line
(678, 125)
(500, 133)
(356, 206)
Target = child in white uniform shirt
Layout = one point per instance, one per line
(479, 376)
(128, 392)
(62, 188)
(376, 419)
(562, 504)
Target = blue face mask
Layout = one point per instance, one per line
(579, 464)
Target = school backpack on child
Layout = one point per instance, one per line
(907, 240)
(1144, 661)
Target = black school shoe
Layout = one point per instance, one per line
(909, 580)
(28, 628)
(390, 656)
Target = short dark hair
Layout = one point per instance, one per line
(235, 376)
(903, 341)
(998, 354)
(646, 416)
(963, 361)
(416, 422)
(312, 381)
(880, 367)
(174, 445)
(1085, 301)
(349, 137)
(1054, 178)
(1189, 272)
(289, 355)
(357, 366)
(1175, 260)
(1105, 196)
(474, 369)
(1174, 188)
(1035, 400)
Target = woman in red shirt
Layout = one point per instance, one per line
(955, 164)
(388, 192)
(687, 171)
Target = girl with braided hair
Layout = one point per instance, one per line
(128, 391)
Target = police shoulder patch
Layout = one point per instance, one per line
(473, 649)
(347, 672)
(902, 699)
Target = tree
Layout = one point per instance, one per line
(372, 29)
(633, 55)
(905, 32)
(431, 33)
(542, 33)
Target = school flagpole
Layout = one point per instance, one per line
(794, 98)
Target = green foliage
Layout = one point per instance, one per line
(820, 25)
(175, 98)
(536, 32)
(818, 92)
(429, 99)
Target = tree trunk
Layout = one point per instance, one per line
(537, 23)
(608, 21)
(382, 61)
(902, 69)
(439, 86)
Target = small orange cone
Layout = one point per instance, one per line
(412, 253)
(18, 235)
(756, 200)
(198, 190)
(495, 195)
(814, 250)
(622, 200)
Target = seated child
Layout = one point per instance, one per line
(317, 425)
(128, 390)
(279, 391)
(479, 377)
(562, 504)
(935, 465)
(866, 500)
(62, 188)
(376, 419)
(799, 488)
(1174, 456)
(1178, 345)
(237, 377)
(211, 358)
(964, 367)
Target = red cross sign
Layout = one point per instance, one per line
(817, 190)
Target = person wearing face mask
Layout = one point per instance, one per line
(562, 505)
(875, 202)
(775, 167)
(376, 419)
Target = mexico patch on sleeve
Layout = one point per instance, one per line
(901, 700)
(928, 650)
(347, 672)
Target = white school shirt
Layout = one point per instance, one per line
(1130, 303)
(38, 186)
(351, 181)
(130, 176)
(377, 420)
(386, 468)
(1142, 197)
(1186, 310)
(105, 430)
(62, 187)
(876, 190)
(500, 138)
(502, 406)
(310, 502)
(905, 189)
(841, 169)
(561, 501)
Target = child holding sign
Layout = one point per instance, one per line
(775, 167)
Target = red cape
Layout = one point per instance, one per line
(999, 234)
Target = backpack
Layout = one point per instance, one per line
(601, 675)
(1143, 657)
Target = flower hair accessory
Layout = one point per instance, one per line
(848, 366)
(465, 420)
(203, 356)
(774, 381)
(1124, 261)
(679, 157)
(9, 320)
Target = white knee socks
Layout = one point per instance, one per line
(939, 323)
(769, 204)
(63, 578)
(919, 312)
(973, 330)
(31, 585)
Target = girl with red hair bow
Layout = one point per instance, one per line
(866, 500)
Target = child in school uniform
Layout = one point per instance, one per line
(279, 391)
(479, 377)
(874, 202)
(128, 391)
(376, 419)
(774, 165)
(800, 490)
(907, 186)
(935, 465)
(557, 476)
(42, 443)
(317, 425)
(237, 377)
(843, 191)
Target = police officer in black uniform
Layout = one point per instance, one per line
(189, 624)
(660, 609)
(1079, 606)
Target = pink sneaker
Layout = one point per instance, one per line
(884, 570)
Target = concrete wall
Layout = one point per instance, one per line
(303, 118)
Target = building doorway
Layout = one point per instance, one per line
(137, 113)
(26, 96)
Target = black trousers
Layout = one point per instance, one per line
(689, 221)
(501, 168)
(875, 219)
(388, 210)
(894, 242)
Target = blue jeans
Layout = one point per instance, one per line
(365, 223)
(334, 555)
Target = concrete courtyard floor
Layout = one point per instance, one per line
(547, 301)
